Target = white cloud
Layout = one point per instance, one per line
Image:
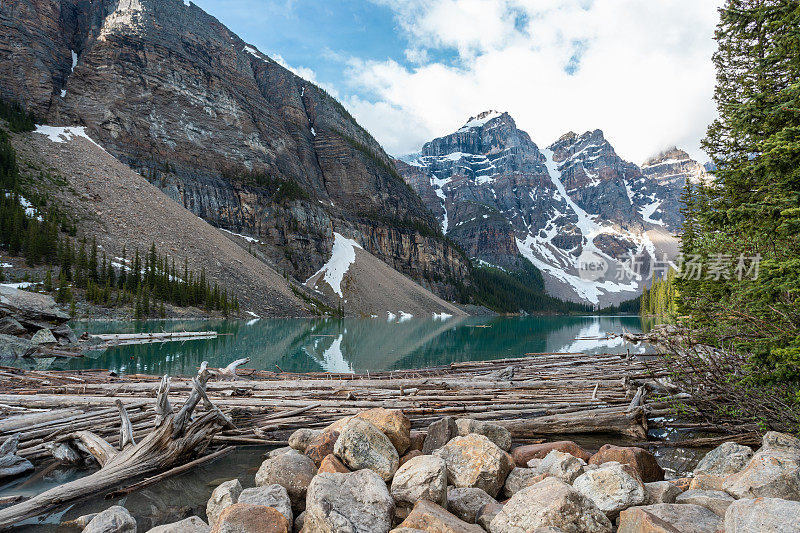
(643, 72)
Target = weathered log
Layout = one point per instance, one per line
(12, 464)
(172, 442)
(615, 420)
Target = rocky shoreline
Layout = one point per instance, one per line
(372, 473)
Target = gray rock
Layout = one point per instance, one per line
(475, 461)
(225, 495)
(280, 451)
(466, 502)
(15, 347)
(299, 522)
(771, 473)
(10, 326)
(192, 524)
(11, 464)
(421, 478)
(293, 471)
(358, 502)
(115, 519)
(274, 496)
(681, 518)
(518, 479)
(773, 439)
(439, 434)
(299, 439)
(612, 487)
(487, 513)
(727, 458)
(660, 492)
(65, 333)
(362, 445)
(43, 336)
(495, 433)
(715, 501)
(562, 465)
(551, 502)
(24, 305)
(763, 515)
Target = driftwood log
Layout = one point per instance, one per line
(175, 438)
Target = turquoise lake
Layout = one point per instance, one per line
(352, 344)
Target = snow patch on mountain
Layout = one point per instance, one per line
(343, 254)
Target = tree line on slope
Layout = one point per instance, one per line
(44, 235)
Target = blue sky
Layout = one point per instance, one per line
(410, 70)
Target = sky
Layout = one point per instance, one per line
(413, 70)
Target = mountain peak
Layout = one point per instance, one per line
(482, 119)
(671, 154)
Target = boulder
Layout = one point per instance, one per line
(430, 517)
(763, 515)
(475, 461)
(280, 451)
(715, 501)
(727, 458)
(421, 478)
(43, 337)
(410, 455)
(439, 434)
(641, 460)
(293, 471)
(115, 519)
(683, 483)
(300, 439)
(660, 492)
(562, 465)
(487, 513)
(466, 502)
(495, 433)
(10, 326)
(669, 518)
(358, 502)
(247, 518)
(417, 440)
(274, 496)
(551, 502)
(15, 347)
(30, 306)
(64, 334)
(225, 495)
(707, 482)
(612, 487)
(11, 464)
(771, 473)
(393, 423)
(773, 439)
(523, 454)
(332, 464)
(518, 479)
(192, 524)
(362, 445)
(321, 446)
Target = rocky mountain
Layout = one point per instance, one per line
(569, 209)
(226, 131)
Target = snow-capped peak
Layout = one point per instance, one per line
(480, 120)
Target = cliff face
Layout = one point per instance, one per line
(221, 128)
(502, 198)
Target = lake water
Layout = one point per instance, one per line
(352, 344)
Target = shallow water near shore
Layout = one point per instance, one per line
(353, 344)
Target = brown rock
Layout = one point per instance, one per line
(332, 464)
(641, 460)
(523, 454)
(246, 518)
(706, 482)
(487, 513)
(321, 446)
(439, 434)
(669, 518)
(417, 440)
(430, 517)
(410, 455)
(393, 423)
(682, 483)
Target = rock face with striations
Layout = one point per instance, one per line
(503, 198)
(223, 129)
